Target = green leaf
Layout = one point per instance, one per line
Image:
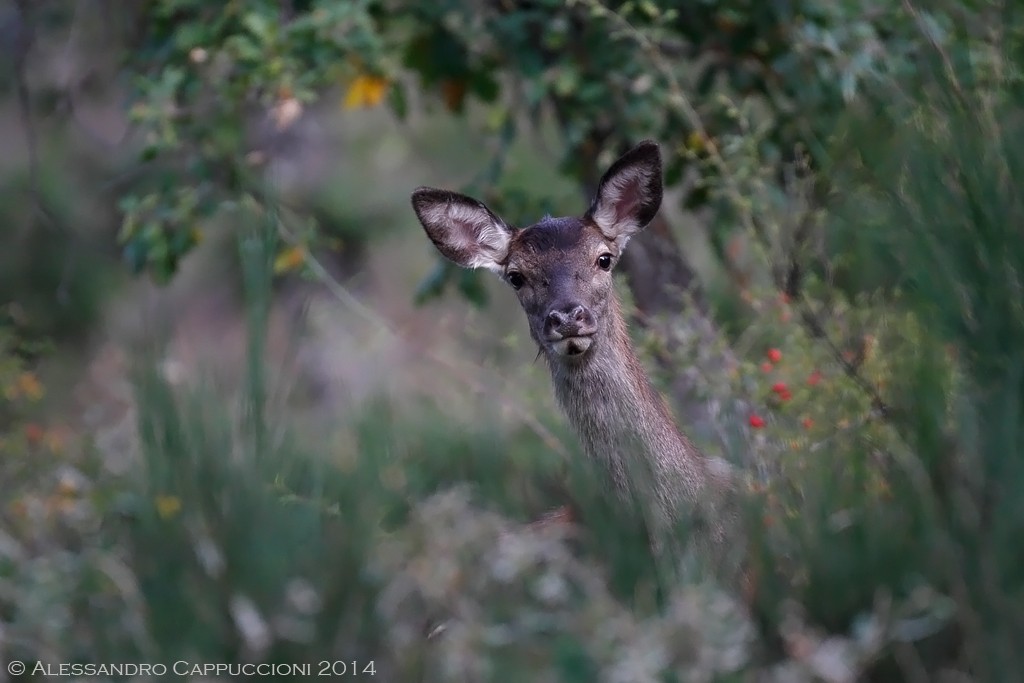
(150, 152)
(397, 100)
(483, 85)
(566, 80)
(433, 285)
(674, 170)
(471, 284)
(259, 27)
(134, 255)
(244, 49)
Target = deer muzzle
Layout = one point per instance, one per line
(570, 329)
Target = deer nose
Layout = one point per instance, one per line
(569, 320)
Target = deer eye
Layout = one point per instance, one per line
(604, 261)
(515, 279)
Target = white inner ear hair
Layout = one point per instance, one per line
(471, 230)
(620, 199)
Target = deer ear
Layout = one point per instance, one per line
(629, 194)
(463, 229)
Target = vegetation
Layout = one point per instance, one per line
(841, 318)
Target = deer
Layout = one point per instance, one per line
(561, 269)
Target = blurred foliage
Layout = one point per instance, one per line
(54, 266)
(229, 546)
(215, 84)
(858, 164)
(951, 204)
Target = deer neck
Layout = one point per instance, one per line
(621, 420)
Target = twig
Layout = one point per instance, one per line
(947, 63)
(23, 47)
(852, 370)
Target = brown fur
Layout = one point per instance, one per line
(622, 421)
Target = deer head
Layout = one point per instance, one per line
(560, 268)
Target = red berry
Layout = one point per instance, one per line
(780, 388)
(785, 395)
(756, 421)
(766, 367)
(807, 423)
(34, 433)
(814, 379)
(774, 355)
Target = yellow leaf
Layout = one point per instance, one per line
(54, 441)
(365, 91)
(60, 503)
(289, 259)
(30, 386)
(67, 488)
(167, 506)
(695, 141)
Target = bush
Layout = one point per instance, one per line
(234, 542)
(878, 400)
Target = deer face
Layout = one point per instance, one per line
(560, 268)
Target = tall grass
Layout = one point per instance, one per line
(237, 540)
(947, 224)
(888, 549)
